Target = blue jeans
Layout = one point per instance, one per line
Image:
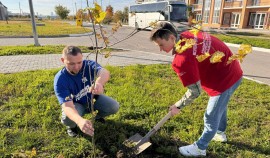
(104, 104)
(215, 117)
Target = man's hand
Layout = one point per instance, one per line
(174, 110)
(98, 89)
(86, 126)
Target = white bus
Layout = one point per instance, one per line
(142, 15)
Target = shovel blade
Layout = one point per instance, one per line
(133, 142)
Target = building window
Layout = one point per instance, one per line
(235, 21)
(206, 11)
(256, 20)
(252, 19)
(226, 18)
(216, 17)
(198, 17)
(255, 2)
(198, 2)
(206, 16)
(216, 12)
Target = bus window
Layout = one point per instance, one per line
(178, 13)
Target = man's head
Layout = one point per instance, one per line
(164, 35)
(73, 59)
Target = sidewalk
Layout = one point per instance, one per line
(19, 63)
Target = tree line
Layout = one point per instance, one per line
(111, 16)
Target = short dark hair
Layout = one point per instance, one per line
(163, 30)
(71, 50)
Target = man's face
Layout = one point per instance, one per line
(72, 63)
(165, 45)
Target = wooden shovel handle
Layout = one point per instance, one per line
(155, 129)
(164, 119)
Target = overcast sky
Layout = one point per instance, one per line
(46, 7)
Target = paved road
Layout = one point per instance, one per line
(255, 66)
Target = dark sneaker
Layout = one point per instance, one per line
(72, 132)
(101, 120)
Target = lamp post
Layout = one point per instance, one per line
(33, 23)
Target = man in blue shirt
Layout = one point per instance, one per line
(74, 85)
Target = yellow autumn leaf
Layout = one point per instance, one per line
(98, 14)
(116, 26)
(193, 21)
(153, 24)
(241, 58)
(232, 58)
(194, 31)
(106, 40)
(178, 46)
(98, 7)
(99, 36)
(199, 27)
(100, 17)
(107, 55)
(34, 152)
(182, 49)
(244, 49)
(94, 113)
(216, 57)
(202, 57)
(188, 44)
(196, 22)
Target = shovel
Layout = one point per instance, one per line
(139, 143)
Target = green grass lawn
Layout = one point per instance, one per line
(32, 50)
(24, 28)
(30, 116)
(240, 39)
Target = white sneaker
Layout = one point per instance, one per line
(220, 137)
(192, 150)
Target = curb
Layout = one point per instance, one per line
(52, 36)
(254, 48)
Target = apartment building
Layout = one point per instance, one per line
(253, 14)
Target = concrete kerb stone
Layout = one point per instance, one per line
(17, 63)
(51, 36)
(254, 48)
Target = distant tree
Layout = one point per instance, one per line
(109, 15)
(121, 15)
(61, 11)
(118, 16)
(125, 15)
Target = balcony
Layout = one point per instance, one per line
(233, 4)
(197, 7)
(254, 3)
